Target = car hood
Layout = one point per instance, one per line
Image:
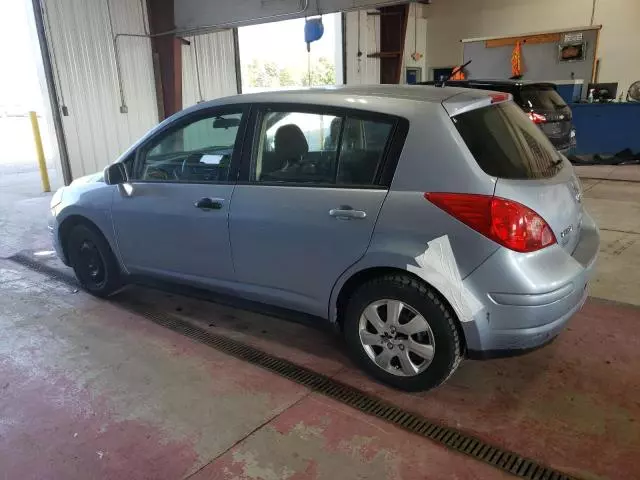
(92, 178)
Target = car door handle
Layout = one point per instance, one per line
(347, 213)
(207, 203)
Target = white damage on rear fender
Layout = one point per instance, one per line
(437, 266)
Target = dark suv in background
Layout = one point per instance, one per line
(540, 100)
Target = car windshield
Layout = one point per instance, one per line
(541, 97)
(506, 143)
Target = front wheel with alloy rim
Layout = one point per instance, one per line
(93, 261)
(401, 333)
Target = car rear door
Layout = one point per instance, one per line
(557, 199)
(171, 219)
(310, 193)
(508, 146)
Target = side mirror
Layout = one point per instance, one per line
(115, 174)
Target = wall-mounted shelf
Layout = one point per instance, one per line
(384, 55)
(383, 14)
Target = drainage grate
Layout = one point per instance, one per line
(448, 437)
(27, 261)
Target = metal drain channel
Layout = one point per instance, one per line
(448, 437)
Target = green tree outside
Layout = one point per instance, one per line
(269, 74)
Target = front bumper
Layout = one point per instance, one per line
(528, 298)
(52, 225)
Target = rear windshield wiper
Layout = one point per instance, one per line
(552, 166)
(453, 72)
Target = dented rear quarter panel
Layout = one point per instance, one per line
(434, 159)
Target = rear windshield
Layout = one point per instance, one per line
(506, 143)
(541, 98)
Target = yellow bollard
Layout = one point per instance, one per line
(44, 175)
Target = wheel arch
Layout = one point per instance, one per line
(355, 277)
(72, 221)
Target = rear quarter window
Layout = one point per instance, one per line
(506, 144)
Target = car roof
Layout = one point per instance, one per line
(376, 98)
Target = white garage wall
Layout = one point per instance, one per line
(362, 70)
(215, 67)
(80, 37)
(415, 41)
(367, 70)
(449, 21)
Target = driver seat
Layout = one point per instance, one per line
(290, 146)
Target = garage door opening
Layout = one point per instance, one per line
(274, 55)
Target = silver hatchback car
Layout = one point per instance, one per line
(428, 223)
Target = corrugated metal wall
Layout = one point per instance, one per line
(83, 54)
(362, 70)
(215, 68)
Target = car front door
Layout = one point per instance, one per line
(305, 209)
(171, 219)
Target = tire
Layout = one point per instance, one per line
(93, 262)
(441, 336)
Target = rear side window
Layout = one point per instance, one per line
(319, 149)
(541, 98)
(506, 143)
(362, 149)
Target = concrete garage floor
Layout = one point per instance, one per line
(615, 205)
(89, 389)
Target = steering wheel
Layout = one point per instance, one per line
(157, 174)
(186, 170)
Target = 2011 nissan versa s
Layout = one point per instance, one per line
(428, 223)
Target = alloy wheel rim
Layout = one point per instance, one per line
(396, 337)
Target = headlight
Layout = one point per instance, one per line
(57, 198)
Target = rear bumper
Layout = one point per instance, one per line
(507, 343)
(568, 151)
(566, 144)
(529, 298)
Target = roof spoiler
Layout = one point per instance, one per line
(473, 99)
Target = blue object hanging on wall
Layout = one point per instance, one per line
(313, 30)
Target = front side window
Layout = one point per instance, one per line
(314, 148)
(200, 151)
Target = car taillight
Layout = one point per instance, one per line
(499, 97)
(537, 118)
(506, 222)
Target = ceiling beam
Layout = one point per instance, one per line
(167, 57)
